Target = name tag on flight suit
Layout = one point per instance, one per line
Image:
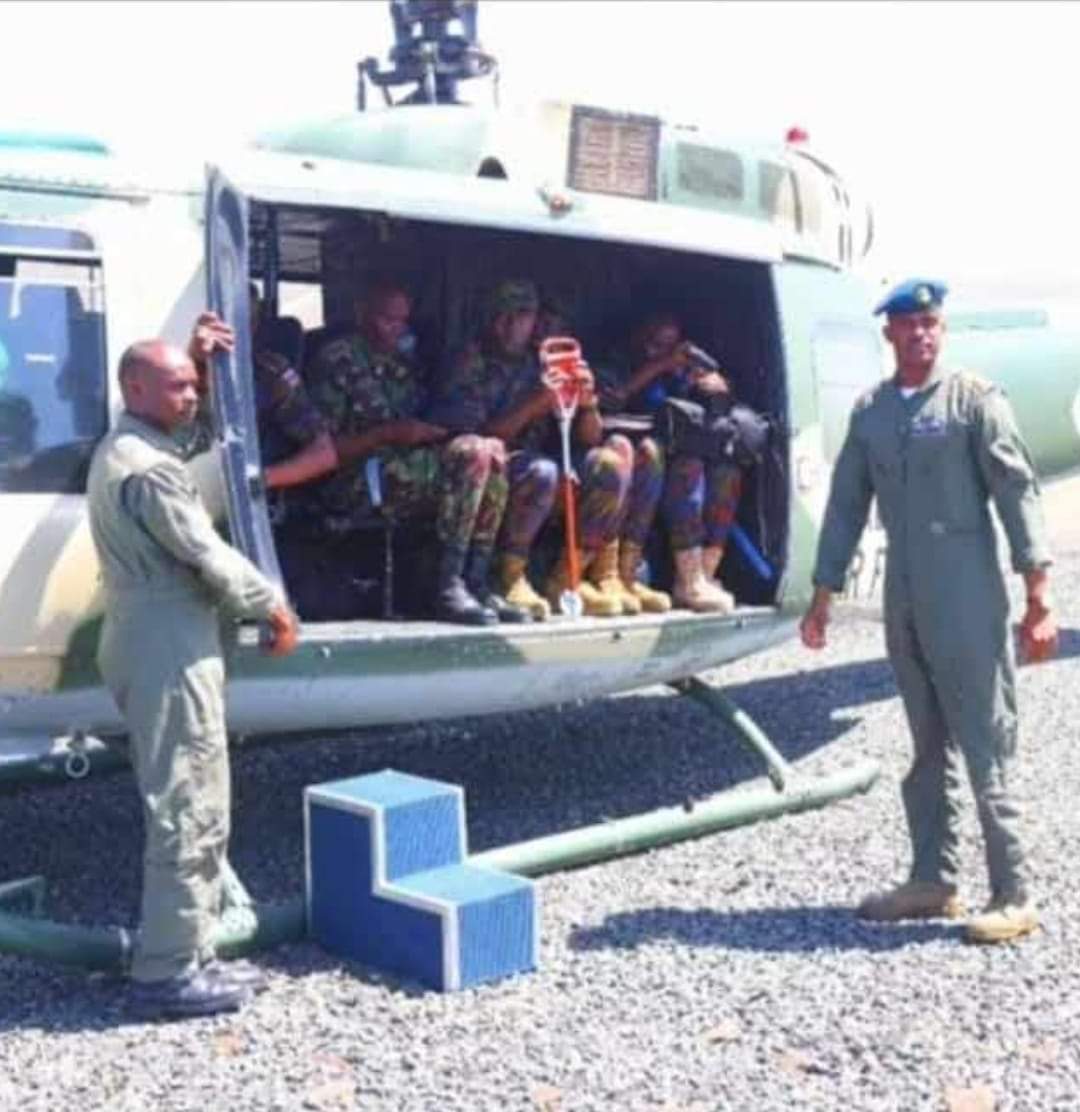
(927, 425)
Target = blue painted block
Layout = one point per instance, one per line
(387, 884)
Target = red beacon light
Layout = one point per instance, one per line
(796, 135)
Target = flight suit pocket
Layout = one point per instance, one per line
(940, 461)
(208, 761)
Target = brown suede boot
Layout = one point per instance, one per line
(914, 899)
(711, 555)
(693, 591)
(605, 574)
(595, 604)
(652, 602)
(1003, 921)
(518, 591)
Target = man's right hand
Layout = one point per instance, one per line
(410, 433)
(209, 334)
(815, 621)
(284, 631)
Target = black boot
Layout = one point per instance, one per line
(478, 580)
(453, 602)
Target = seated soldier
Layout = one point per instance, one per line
(495, 387)
(294, 441)
(372, 395)
(700, 497)
(615, 515)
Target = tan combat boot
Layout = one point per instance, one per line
(914, 899)
(652, 602)
(693, 591)
(518, 591)
(594, 604)
(711, 555)
(605, 574)
(1003, 921)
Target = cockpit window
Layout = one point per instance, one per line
(52, 369)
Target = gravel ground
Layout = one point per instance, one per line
(727, 973)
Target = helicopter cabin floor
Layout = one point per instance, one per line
(557, 626)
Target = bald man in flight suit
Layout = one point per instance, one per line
(166, 574)
(935, 446)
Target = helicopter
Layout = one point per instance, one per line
(754, 244)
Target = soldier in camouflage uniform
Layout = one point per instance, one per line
(495, 387)
(166, 573)
(700, 497)
(618, 503)
(372, 396)
(294, 440)
(935, 446)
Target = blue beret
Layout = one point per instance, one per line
(913, 296)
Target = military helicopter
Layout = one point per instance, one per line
(753, 244)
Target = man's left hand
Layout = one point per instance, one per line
(1038, 633)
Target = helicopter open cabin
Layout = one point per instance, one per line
(94, 258)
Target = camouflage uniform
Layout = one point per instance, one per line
(699, 498)
(933, 461)
(462, 484)
(700, 501)
(481, 388)
(287, 418)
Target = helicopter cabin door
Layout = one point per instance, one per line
(232, 388)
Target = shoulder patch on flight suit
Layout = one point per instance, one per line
(976, 383)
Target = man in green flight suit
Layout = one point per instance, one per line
(166, 573)
(935, 446)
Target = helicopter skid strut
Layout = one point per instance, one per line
(247, 926)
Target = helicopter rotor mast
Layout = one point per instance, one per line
(435, 49)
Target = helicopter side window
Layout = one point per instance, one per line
(52, 372)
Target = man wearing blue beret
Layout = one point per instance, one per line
(935, 446)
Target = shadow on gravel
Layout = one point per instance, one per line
(45, 999)
(525, 775)
(766, 930)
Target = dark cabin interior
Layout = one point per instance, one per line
(727, 307)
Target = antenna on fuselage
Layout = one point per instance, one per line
(435, 49)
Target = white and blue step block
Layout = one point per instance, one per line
(389, 886)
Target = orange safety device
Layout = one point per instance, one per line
(560, 358)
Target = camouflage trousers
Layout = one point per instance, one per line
(462, 484)
(619, 491)
(534, 483)
(699, 502)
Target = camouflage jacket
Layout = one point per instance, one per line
(615, 372)
(482, 387)
(358, 389)
(286, 415)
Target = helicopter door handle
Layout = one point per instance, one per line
(256, 483)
